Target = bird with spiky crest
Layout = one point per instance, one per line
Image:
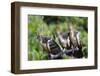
(52, 48)
(76, 44)
(43, 41)
(63, 38)
(74, 37)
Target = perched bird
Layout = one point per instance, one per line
(64, 39)
(52, 48)
(55, 51)
(75, 43)
(79, 40)
(74, 37)
(43, 41)
(70, 44)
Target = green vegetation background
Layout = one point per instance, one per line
(47, 26)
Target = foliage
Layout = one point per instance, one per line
(47, 25)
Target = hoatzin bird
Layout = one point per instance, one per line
(64, 39)
(76, 44)
(65, 42)
(53, 49)
(43, 41)
(71, 42)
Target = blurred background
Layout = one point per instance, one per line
(47, 25)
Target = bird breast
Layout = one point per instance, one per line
(63, 41)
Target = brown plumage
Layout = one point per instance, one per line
(73, 37)
(55, 51)
(76, 44)
(64, 39)
(52, 48)
(43, 41)
(70, 44)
